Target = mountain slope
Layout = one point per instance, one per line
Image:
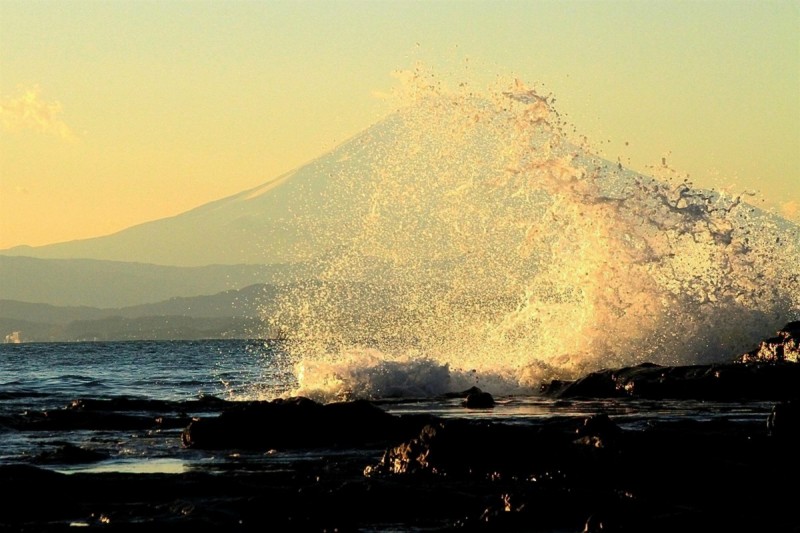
(263, 225)
(302, 215)
(240, 302)
(108, 284)
(234, 313)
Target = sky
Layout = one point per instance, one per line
(113, 113)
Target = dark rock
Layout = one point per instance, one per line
(74, 419)
(121, 403)
(784, 347)
(470, 448)
(169, 422)
(478, 400)
(463, 393)
(784, 420)
(720, 382)
(68, 453)
(598, 431)
(124, 403)
(554, 388)
(297, 423)
(769, 372)
(12, 474)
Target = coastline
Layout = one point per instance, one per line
(424, 473)
(644, 448)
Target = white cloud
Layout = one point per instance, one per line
(27, 111)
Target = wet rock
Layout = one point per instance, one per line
(124, 403)
(478, 400)
(13, 474)
(769, 372)
(121, 403)
(76, 419)
(297, 423)
(478, 449)
(784, 347)
(554, 388)
(598, 431)
(463, 393)
(67, 453)
(718, 382)
(784, 420)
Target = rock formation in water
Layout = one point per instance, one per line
(770, 372)
(784, 347)
(298, 423)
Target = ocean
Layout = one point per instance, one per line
(130, 385)
(47, 377)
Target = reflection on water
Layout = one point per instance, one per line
(147, 466)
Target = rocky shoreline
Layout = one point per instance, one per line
(355, 467)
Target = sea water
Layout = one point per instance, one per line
(49, 375)
(39, 378)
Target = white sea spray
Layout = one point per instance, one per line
(486, 247)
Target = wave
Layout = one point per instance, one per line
(488, 246)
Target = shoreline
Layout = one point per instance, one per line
(569, 473)
(644, 448)
(717, 470)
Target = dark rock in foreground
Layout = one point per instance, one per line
(466, 448)
(560, 473)
(675, 476)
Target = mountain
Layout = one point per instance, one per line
(228, 314)
(268, 224)
(108, 284)
(246, 228)
(448, 182)
(300, 216)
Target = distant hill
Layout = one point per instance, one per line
(112, 284)
(229, 314)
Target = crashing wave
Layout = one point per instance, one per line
(483, 245)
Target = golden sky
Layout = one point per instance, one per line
(115, 113)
